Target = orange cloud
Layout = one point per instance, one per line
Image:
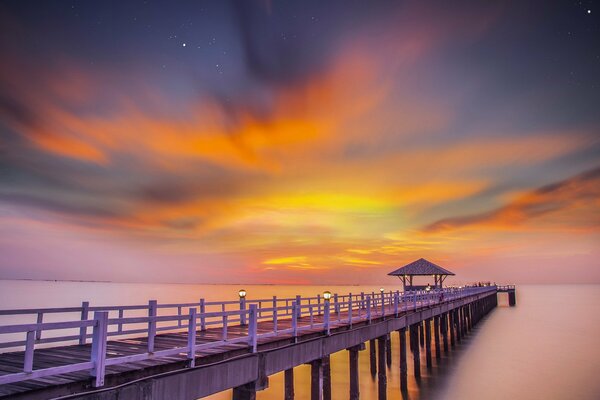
(571, 203)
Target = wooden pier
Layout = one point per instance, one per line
(187, 351)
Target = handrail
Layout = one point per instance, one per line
(358, 307)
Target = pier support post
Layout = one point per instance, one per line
(512, 298)
(382, 377)
(327, 378)
(248, 391)
(388, 350)
(470, 317)
(459, 321)
(414, 338)
(456, 326)
(354, 380)
(421, 336)
(403, 366)
(428, 342)
(451, 327)
(244, 393)
(444, 329)
(373, 358)
(436, 336)
(289, 384)
(316, 380)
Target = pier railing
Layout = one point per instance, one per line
(99, 323)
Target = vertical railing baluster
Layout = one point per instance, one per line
(275, 314)
(253, 327)
(326, 310)
(310, 311)
(152, 311)
(396, 304)
(191, 345)
(294, 319)
(225, 327)
(350, 310)
(29, 347)
(362, 299)
(318, 304)
(299, 306)
(120, 324)
(369, 308)
(179, 321)
(40, 319)
(202, 317)
(336, 305)
(98, 354)
(84, 316)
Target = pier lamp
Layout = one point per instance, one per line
(382, 290)
(327, 295)
(242, 294)
(428, 288)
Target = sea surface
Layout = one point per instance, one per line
(547, 347)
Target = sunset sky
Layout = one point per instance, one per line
(299, 142)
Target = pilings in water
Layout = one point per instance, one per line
(373, 358)
(354, 377)
(316, 380)
(414, 340)
(428, 342)
(451, 327)
(444, 329)
(512, 298)
(288, 384)
(381, 375)
(403, 365)
(436, 336)
(456, 323)
(388, 351)
(326, 377)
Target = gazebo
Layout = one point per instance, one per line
(421, 267)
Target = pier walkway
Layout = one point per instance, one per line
(191, 350)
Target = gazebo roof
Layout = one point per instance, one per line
(421, 267)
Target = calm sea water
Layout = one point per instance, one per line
(545, 348)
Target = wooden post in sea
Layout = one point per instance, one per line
(436, 336)
(354, 377)
(403, 366)
(382, 377)
(414, 337)
(316, 380)
(388, 350)
(444, 329)
(373, 357)
(451, 327)
(326, 377)
(289, 384)
(428, 342)
(459, 326)
(421, 336)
